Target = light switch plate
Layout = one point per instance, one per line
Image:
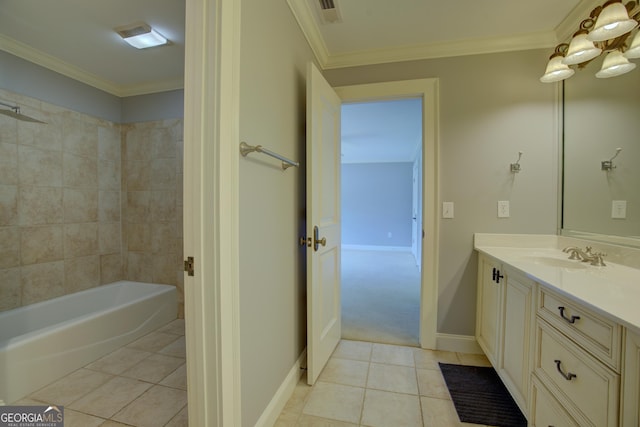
(503, 209)
(447, 209)
(619, 209)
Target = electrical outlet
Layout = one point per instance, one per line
(447, 209)
(503, 209)
(619, 209)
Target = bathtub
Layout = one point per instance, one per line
(42, 342)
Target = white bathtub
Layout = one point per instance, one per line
(42, 342)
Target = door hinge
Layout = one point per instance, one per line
(188, 266)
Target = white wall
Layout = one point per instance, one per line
(491, 107)
(274, 56)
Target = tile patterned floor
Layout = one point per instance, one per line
(378, 385)
(141, 384)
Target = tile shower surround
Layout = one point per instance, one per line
(84, 202)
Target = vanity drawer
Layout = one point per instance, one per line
(597, 334)
(570, 372)
(546, 410)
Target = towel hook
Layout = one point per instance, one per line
(607, 165)
(515, 167)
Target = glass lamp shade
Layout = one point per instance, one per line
(612, 22)
(614, 65)
(580, 50)
(634, 49)
(556, 70)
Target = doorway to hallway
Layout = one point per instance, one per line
(382, 220)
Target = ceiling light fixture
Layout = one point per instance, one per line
(141, 36)
(605, 31)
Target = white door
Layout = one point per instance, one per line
(323, 222)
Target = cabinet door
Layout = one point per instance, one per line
(488, 308)
(631, 386)
(517, 325)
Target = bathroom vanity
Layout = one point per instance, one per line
(563, 335)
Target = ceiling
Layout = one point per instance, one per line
(76, 37)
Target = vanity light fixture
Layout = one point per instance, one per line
(141, 36)
(606, 30)
(557, 70)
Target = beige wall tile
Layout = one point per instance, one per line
(163, 205)
(110, 237)
(47, 136)
(139, 237)
(108, 206)
(40, 205)
(8, 130)
(80, 205)
(163, 237)
(80, 137)
(138, 206)
(138, 175)
(80, 239)
(80, 172)
(163, 143)
(180, 156)
(42, 282)
(163, 174)
(164, 269)
(109, 175)
(10, 288)
(8, 162)
(39, 167)
(109, 143)
(8, 204)
(139, 267)
(81, 273)
(110, 268)
(9, 247)
(138, 145)
(41, 244)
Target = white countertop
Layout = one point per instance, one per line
(613, 290)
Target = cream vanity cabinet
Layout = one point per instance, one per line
(577, 362)
(631, 381)
(505, 315)
(490, 284)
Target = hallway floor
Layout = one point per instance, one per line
(378, 385)
(141, 384)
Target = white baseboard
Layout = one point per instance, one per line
(378, 248)
(458, 343)
(283, 394)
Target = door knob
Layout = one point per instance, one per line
(316, 241)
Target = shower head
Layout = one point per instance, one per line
(16, 114)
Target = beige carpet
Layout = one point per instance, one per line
(380, 297)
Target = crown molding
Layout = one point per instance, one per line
(570, 24)
(52, 63)
(304, 16)
(443, 50)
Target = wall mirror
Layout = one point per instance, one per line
(601, 118)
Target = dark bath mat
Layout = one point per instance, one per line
(480, 397)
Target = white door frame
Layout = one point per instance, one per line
(211, 129)
(427, 89)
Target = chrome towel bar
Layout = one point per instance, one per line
(246, 149)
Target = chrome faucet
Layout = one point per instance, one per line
(586, 255)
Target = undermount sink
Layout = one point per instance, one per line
(557, 262)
